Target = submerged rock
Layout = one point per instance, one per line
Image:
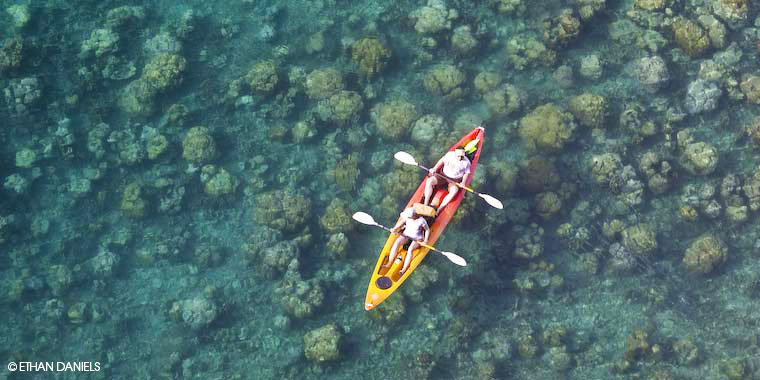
(702, 96)
(196, 313)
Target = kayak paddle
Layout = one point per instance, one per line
(364, 218)
(409, 160)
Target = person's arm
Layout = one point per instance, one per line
(401, 220)
(397, 228)
(437, 165)
(427, 234)
(464, 178)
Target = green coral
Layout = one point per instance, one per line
(138, 98)
(537, 174)
(341, 108)
(705, 254)
(156, 146)
(690, 37)
(164, 71)
(336, 218)
(323, 83)
(504, 100)
(262, 77)
(370, 55)
(337, 244)
(561, 30)
(589, 109)
(390, 310)
(346, 172)
(548, 204)
(285, 210)
(445, 80)
(640, 239)
(503, 176)
(486, 81)
(750, 87)
(323, 344)
(277, 257)
(11, 54)
(219, 183)
(397, 182)
(300, 298)
(198, 146)
(132, 204)
(394, 120)
(102, 41)
(547, 128)
(524, 51)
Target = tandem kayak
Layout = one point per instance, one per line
(385, 281)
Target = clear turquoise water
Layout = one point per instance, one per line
(159, 267)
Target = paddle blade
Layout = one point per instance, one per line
(492, 201)
(454, 258)
(405, 158)
(364, 218)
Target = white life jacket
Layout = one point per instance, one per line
(455, 168)
(414, 228)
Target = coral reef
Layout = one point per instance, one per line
(445, 80)
(428, 129)
(217, 181)
(462, 39)
(394, 119)
(341, 108)
(11, 54)
(705, 254)
(195, 313)
(699, 158)
(370, 55)
(651, 72)
(589, 109)
(198, 146)
(132, 204)
(504, 100)
(336, 218)
(486, 81)
(164, 71)
(346, 172)
(286, 210)
(562, 29)
(323, 83)
(262, 77)
(525, 50)
(323, 344)
(537, 174)
(640, 239)
(690, 37)
(702, 96)
(433, 18)
(547, 128)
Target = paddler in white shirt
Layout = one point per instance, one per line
(416, 229)
(456, 166)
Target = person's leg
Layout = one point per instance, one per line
(453, 190)
(394, 250)
(408, 259)
(429, 184)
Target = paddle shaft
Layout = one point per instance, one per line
(449, 180)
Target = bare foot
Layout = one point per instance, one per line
(385, 265)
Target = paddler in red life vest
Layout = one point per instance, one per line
(456, 166)
(415, 228)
